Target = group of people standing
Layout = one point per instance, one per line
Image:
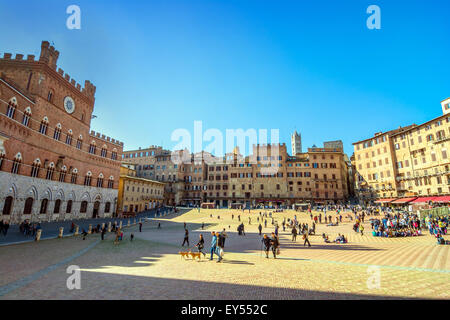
(27, 228)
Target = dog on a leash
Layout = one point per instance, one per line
(184, 254)
(195, 255)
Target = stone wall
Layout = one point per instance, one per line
(22, 187)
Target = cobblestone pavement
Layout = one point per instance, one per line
(151, 268)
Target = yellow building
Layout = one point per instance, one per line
(137, 194)
(406, 162)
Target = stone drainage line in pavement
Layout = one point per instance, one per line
(28, 279)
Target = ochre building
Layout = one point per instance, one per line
(138, 194)
(270, 176)
(405, 162)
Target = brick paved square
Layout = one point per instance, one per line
(151, 268)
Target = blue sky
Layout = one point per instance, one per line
(313, 66)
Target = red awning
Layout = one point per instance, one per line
(443, 199)
(385, 200)
(424, 199)
(404, 200)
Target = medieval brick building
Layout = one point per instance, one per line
(52, 166)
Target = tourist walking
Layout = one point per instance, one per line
(267, 243)
(140, 226)
(275, 245)
(213, 244)
(260, 228)
(200, 245)
(305, 237)
(186, 237)
(224, 236)
(294, 234)
(220, 246)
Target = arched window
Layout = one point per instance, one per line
(92, 147)
(11, 109)
(28, 206)
(111, 182)
(80, 142)
(74, 176)
(44, 205)
(83, 207)
(35, 168)
(87, 179)
(16, 163)
(62, 174)
(107, 207)
(104, 152)
(57, 206)
(114, 154)
(26, 117)
(50, 171)
(57, 133)
(7, 206)
(100, 181)
(69, 206)
(44, 126)
(69, 137)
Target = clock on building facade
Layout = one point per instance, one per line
(69, 105)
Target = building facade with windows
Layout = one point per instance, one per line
(155, 163)
(52, 166)
(137, 194)
(269, 176)
(406, 162)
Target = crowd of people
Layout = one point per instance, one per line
(438, 228)
(29, 229)
(396, 225)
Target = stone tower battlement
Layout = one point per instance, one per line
(49, 57)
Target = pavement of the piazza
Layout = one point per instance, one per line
(150, 267)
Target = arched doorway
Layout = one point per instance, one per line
(96, 208)
(44, 204)
(57, 206)
(28, 206)
(69, 206)
(7, 206)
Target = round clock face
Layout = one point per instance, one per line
(69, 104)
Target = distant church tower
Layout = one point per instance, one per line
(296, 143)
